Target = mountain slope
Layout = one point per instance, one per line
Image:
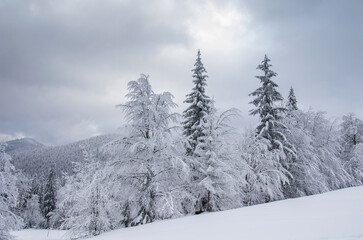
(22, 144)
(333, 215)
(36, 162)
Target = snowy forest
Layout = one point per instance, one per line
(168, 165)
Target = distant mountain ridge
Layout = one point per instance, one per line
(22, 144)
(35, 159)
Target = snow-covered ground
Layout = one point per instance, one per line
(334, 215)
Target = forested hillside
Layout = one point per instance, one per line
(22, 144)
(35, 161)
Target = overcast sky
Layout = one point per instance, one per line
(64, 65)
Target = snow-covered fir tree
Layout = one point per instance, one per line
(8, 195)
(266, 97)
(291, 101)
(198, 106)
(49, 197)
(270, 126)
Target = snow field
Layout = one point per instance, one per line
(333, 215)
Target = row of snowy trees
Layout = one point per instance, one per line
(163, 170)
(20, 201)
(169, 165)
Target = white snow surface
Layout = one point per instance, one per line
(333, 215)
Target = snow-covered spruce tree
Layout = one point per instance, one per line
(352, 140)
(271, 127)
(49, 197)
(148, 166)
(291, 101)
(214, 178)
(266, 96)
(198, 108)
(8, 195)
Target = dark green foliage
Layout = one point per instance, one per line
(267, 95)
(198, 108)
(291, 101)
(49, 197)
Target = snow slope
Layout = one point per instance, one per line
(334, 215)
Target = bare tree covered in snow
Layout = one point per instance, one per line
(262, 174)
(213, 164)
(150, 161)
(317, 167)
(84, 205)
(144, 177)
(352, 145)
(8, 195)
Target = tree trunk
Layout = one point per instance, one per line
(209, 208)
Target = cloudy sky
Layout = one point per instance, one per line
(64, 65)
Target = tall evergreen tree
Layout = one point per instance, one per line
(49, 198)
(271, 127)
(267, 95)
(291, 101)
(198, 108)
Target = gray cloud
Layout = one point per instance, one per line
(64, 65)
(315, 46)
